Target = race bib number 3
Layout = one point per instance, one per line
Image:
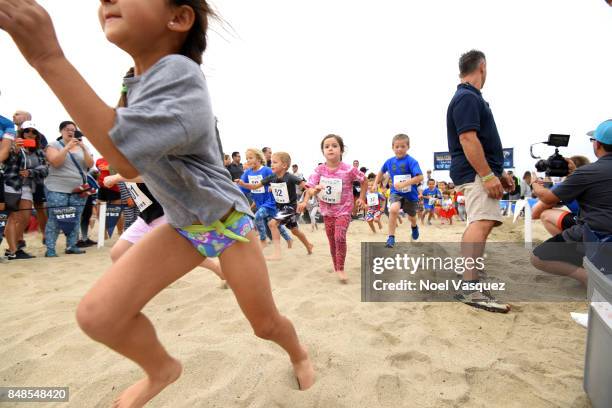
(280, 192)
(140, 198)
(255, 180)
(372, 199)
(332, 190)
(402, 177)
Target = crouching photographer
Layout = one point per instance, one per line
(591, 186)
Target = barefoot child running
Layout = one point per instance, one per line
(262, 197)
(283, 186)
(376, 204)
(166, 134)
(431, 195)
(333, 182)
(405, 175)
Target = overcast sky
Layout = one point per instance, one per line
(286, 73)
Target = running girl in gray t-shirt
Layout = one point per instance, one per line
(166, 134)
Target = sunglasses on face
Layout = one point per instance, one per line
(592, 139)
(29, 130)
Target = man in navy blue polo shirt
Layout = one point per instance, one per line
(477, 161)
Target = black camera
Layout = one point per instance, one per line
(555, 165)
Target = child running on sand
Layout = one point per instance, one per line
(376, 204)
(431, 195)
(166, 135)
(283, 186)
(446, 211)
(262, 197)
(333, 182)
(405, 176)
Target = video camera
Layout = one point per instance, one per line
(555, 165)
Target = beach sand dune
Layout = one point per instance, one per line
(366, 354)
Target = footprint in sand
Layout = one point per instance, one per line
(409, 359)
(389, 391)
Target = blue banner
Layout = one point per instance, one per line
(66, 218)
(3, 221)
(113, 212)
(509, 158)
(442, 161)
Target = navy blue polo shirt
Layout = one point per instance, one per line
(469, 111)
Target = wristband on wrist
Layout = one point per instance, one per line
(488, 177)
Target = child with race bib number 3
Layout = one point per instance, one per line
(333, 182)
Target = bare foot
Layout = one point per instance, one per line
(304, 372)
(290, 244)
(342, 276)
(309, 248)
(141, 392)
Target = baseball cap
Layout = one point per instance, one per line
(603, 133)
(28, 124)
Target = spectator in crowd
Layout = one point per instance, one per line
(516, 193)
(526, 185)
(235, 168)
(39, 195)
(429, 177)
(591, 187)
(298, 174)
(227, 160)
(88, 211)
(7, 135)
(267, 151)
(112, 195)
(25, 164)
(69, 161)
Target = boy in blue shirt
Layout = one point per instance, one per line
(430, 195)
(405, 174)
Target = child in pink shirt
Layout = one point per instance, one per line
(333, 182)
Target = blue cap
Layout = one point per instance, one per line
(603, 133)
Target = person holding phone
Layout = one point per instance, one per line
(69, 160)
(25, 167)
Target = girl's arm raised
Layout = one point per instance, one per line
(32, 31)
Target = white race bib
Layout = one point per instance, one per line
(280, 192)
(140, 199)
(432, 200)
(256, 180)
(332, 190)
(402, 177)
(460, 199)
(372, 199)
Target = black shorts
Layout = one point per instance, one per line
(39, 196)
(567, 220)
(409, 207)
(287, 216)
(558, 249)
(106, 194)
(1, 188)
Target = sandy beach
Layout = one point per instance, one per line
(366, 354)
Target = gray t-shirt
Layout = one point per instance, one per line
(65, 178)
(591, 186)
(167, 133)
